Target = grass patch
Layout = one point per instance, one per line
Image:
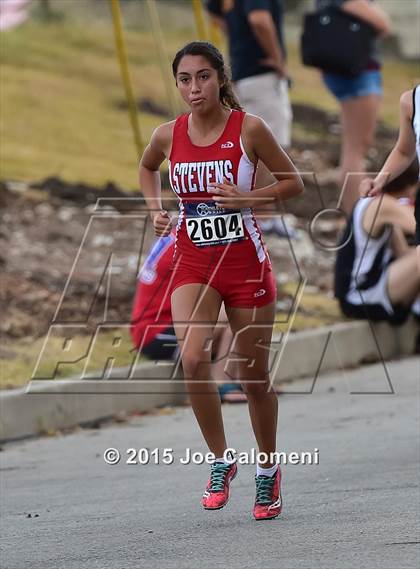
(60, 84)
(22, 357)
(314, 310)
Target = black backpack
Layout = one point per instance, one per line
(336, 42)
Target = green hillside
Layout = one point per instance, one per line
(60, 90)
(61, 86)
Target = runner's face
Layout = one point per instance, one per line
(198, 83)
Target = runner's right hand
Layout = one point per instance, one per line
(162, 223)
(370, 188)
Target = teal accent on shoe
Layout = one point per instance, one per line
(218, 472)
(264, 489)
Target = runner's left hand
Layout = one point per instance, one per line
(227, 195)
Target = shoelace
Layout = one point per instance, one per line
(218, 472)
(264, 489)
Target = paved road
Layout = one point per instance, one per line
(358, 508)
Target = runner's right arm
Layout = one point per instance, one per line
(149, 176)
(401, 156)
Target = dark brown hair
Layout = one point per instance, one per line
(215, 58)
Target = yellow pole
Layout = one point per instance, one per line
(200, 22)
(122, 56)
(163, 57)
(215, 35)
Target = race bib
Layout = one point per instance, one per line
(208, 224)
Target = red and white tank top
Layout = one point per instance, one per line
(192, 169)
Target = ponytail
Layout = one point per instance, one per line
(228, 97)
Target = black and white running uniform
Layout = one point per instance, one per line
(361, 272)
(416, 128)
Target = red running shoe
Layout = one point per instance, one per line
(216, 493)
(268, 501)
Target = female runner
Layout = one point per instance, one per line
(213, 152)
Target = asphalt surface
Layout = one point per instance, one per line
(64, 507)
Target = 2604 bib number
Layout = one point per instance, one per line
(215, 229)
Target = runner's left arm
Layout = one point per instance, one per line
(260, 144)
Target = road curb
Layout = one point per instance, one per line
(343, 345)
(62, 404)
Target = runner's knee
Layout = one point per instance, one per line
(256, 389)
(192, 363)
(256, 381)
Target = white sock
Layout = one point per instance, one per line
(228, 460)
(266, 471)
